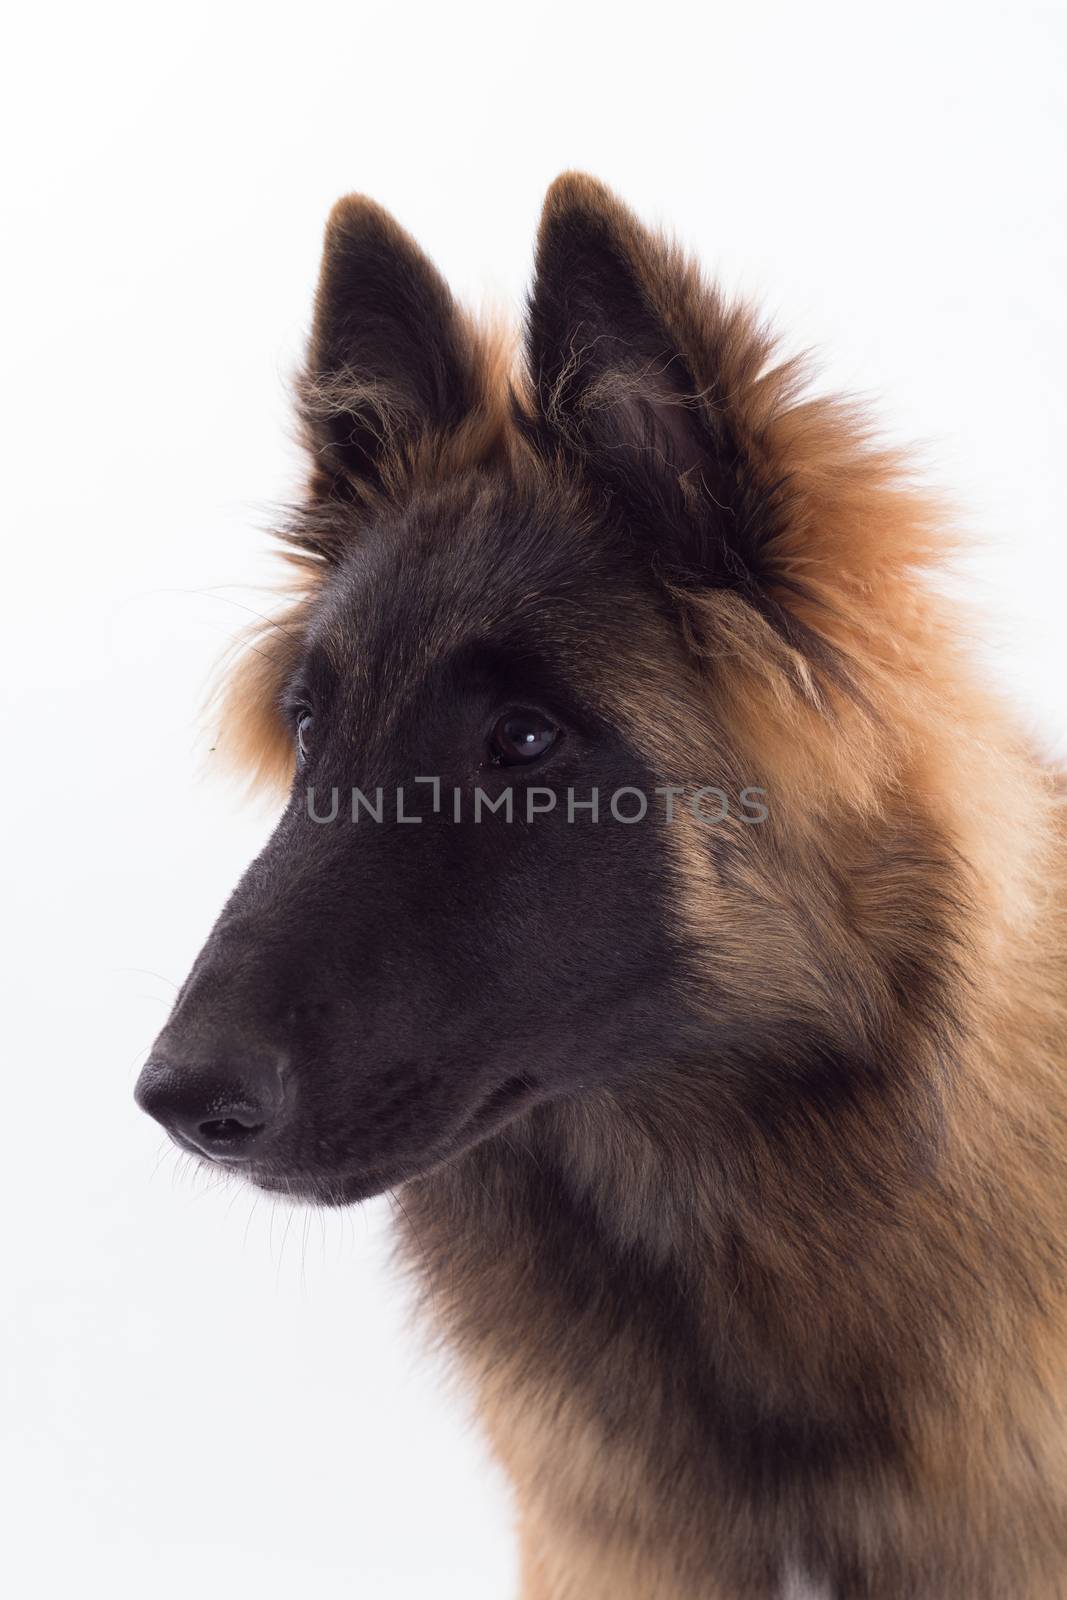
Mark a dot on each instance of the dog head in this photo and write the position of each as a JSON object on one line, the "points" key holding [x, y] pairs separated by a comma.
{"points": [[562, 631]]}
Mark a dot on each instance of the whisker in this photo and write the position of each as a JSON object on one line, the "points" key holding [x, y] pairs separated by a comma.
{"points": [[143, 1051], [147, 972], [165, 1149], [248, 1220], [285, 1236], [263, 616]]}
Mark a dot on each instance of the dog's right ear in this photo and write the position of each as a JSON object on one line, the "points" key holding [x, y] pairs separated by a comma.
{"points": [[650, 382], [390, 362]]}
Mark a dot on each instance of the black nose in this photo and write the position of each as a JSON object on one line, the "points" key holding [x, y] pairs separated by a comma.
{"points": [[226, 1114]]}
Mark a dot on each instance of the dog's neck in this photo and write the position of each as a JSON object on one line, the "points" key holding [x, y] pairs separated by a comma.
{"points": [[768, 1313]]}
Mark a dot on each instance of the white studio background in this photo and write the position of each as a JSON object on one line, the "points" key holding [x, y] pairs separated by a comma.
{"points": [[205, 1396]]}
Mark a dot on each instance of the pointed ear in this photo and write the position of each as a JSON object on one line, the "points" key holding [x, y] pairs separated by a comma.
{"points": [[390, 361], [635, 364]]}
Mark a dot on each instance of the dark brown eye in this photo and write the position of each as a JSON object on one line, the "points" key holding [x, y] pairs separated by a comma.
{"points": [[521, 736], [303, 737]]}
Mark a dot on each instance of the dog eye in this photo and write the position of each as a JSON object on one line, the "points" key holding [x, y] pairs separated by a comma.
{"points": [[303, 737], [520, 736]]}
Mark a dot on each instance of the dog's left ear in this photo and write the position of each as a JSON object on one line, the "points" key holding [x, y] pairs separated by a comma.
{"points": [[637, 368]]}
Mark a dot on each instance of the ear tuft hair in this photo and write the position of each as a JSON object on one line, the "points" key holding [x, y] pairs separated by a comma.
{"points": [[672, 400]]}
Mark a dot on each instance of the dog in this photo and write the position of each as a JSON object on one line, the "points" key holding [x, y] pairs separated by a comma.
{"points": [[664, 908]]}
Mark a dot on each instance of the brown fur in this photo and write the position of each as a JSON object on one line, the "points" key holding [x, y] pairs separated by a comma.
{"points": [[889, 1263]]}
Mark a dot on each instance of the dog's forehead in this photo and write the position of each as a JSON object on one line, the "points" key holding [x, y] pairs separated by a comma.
{"points": [[485, 566]]}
